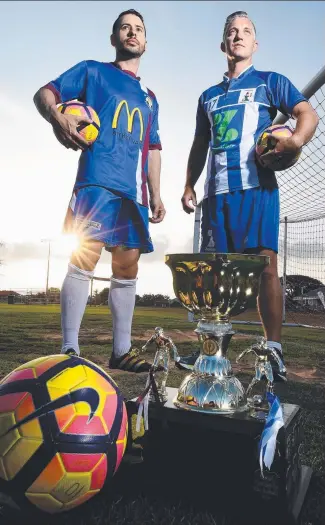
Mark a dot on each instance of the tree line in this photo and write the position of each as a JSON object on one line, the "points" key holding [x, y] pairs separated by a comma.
{"points": [[296, 285]]}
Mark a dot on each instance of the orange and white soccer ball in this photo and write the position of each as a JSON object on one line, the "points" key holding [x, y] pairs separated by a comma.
{"points": [[88, 131], [63, 432], [265, 144]]}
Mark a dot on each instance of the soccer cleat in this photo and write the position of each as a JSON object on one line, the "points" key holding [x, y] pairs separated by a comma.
{"points": [[70, 351], [131, 362], [278, 367], [187, 363]]}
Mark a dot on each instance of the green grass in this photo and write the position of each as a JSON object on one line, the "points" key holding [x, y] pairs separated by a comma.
{"points": [[27, 332]]}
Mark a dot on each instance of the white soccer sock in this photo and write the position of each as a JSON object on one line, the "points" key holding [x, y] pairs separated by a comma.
{"points": [[121, 302], [274, 344], [74, 296]]}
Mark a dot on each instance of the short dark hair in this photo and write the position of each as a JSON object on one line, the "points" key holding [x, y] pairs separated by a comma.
{"points": [[231, 18], [128, 12]]}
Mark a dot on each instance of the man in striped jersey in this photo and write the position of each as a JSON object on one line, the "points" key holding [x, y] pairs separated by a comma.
{"points": [[240, 211], [109, 204]]}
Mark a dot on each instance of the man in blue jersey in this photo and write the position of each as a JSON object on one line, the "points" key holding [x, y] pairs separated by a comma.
{"points": [[240, 211], [109, 203]]}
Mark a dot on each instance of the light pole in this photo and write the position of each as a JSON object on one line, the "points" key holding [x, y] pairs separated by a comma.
{"points": [[48, 266]]}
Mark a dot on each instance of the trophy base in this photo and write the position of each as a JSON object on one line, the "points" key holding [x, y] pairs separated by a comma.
{"points": [[188, 449], [258, 407], [211, 395], [163, 396]]}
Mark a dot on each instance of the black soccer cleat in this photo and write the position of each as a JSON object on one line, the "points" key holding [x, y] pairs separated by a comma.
{"points": [[278, 367], [70, 351], [131, 362], [187, 363]]}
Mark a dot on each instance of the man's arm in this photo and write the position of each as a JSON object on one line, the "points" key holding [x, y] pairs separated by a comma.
{"points": [[154, 167], [64, 126], [307, 121], [195, 165], [45, 103]]}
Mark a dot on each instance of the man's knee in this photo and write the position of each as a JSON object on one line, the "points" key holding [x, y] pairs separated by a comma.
{"points": [[87, 255], [271, 269], [125, 270], [125, 264]]}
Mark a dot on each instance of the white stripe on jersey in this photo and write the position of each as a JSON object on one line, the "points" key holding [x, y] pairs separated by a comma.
{"points": [[248, 167], [242, 104], [220, 162], [231, 91], [221, 176], [139, 178], [73, 201], [207, 179], [206, 185]]}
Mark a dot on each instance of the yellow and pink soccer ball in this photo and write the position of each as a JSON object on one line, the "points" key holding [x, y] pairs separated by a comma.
{"points": [[63, 433], [266, 143], [88, 131]]}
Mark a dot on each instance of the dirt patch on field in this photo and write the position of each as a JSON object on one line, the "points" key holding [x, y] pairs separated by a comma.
{"points": [[295, 373], [306, 375], [178, 336]]}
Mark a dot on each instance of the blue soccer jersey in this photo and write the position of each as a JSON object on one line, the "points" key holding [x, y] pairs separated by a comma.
{"points": [[128, 113], [232, 115]]}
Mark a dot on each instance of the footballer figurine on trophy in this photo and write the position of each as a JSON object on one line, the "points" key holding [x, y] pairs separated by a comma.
{"points": [[165, 346], [263, 370]]}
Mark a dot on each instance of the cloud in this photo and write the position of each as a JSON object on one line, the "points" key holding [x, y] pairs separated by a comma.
{"points": [[21, 251], [36, 175], [36, 251], [306, 250]]}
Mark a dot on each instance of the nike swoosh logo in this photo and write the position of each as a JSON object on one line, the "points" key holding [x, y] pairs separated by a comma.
{"points": [[88, 395]]}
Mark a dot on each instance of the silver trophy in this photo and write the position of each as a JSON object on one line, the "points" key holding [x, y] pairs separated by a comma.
{"points": [[258, 402], [165, 346], [214, 287]]}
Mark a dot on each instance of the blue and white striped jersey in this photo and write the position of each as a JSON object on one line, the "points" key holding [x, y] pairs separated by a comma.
{"points": [[232, 115]]}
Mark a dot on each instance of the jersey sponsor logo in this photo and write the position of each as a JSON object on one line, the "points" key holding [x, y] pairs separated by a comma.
{"points": [[130, 117], [223, 133], [247, 95], [149, 102], [85, 223], [212, 104]]}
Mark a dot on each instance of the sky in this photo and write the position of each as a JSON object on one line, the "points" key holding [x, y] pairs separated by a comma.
{"points": [[40, 40]]}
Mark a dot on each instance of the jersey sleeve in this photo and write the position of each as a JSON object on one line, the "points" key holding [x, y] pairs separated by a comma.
{"points": [[284, 95], [71, 84], [154, 136], [203, 128]]}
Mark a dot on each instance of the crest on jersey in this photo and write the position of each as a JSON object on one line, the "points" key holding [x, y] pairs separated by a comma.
{"points": [[211, 244], [246, 95], [149, 102]]}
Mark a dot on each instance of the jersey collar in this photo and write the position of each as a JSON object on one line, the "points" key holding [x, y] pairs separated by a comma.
{"points": [[243, 74], [125, 70]]}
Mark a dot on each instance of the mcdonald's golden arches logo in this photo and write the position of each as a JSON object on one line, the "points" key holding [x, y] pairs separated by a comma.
{"points": [[130, 116]]}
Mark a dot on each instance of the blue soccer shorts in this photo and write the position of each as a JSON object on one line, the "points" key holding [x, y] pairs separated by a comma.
{"points": [[241, 221], [101, 215]]}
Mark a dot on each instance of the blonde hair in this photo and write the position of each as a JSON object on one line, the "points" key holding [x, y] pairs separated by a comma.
{"points": [[231, 18]]}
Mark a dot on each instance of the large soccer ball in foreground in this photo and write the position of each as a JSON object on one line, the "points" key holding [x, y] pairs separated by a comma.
{"points": [[265, 143], [63, 431], [88, 131]]}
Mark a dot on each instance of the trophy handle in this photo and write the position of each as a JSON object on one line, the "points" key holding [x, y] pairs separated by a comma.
{"points": [[244, 352]]}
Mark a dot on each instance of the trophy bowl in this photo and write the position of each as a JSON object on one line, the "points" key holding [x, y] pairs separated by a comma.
{"points": [[214, 287]]}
